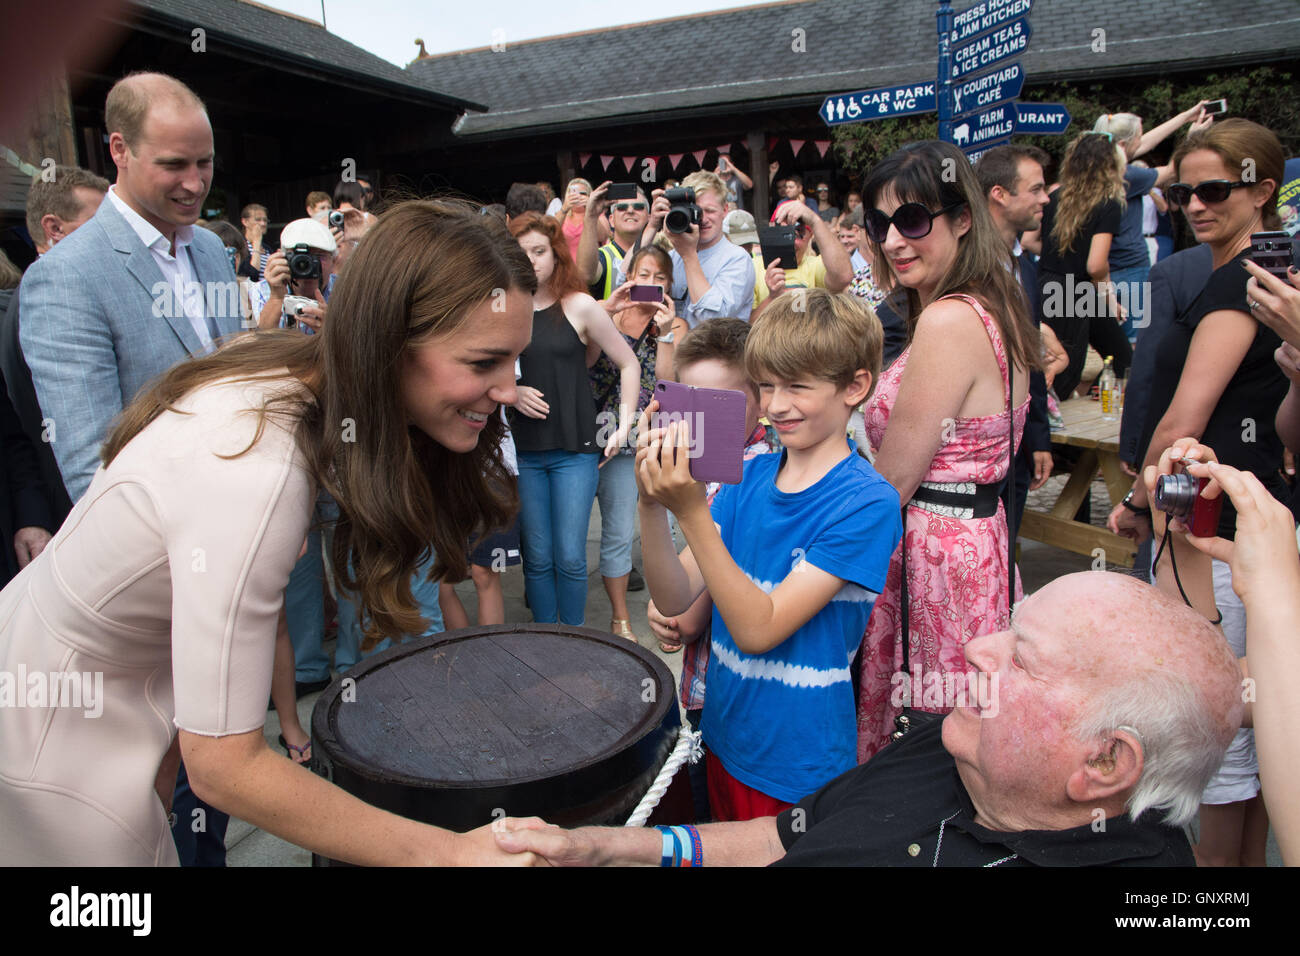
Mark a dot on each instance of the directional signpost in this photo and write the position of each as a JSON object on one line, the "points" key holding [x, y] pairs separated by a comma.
{"points": [[978, 85], [996, 46], [988, 89], [878, 104], [1045, 119]]}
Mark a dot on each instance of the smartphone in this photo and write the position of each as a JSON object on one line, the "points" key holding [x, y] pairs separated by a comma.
{"points": [[646, 293], [1274, 251], [715, 418], [777, 242], [620, 191], [1216, 107]]}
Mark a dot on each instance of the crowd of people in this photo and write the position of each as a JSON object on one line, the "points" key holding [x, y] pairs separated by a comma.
{"points": [[215, 444]]}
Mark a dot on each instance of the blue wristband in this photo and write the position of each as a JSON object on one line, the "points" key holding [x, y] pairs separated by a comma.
{"points": [[683, 838], [671, 852]]}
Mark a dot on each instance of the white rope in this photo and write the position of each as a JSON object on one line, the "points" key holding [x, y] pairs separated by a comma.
{"points": [[688, 748]]}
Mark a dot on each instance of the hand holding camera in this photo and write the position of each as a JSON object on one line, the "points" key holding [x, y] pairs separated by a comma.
{"points": [[1181, 493], [1263, 555], [277, 274], [1274, 288], [306, 313], [663, 464]]}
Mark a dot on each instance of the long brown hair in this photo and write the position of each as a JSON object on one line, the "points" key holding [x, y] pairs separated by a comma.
{"points": [[1092, 173], [565, 279], [417, 274], [938, 175]]}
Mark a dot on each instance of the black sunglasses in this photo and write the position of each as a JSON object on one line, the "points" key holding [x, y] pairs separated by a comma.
{"points": [[625, 206], [1212, 190], [912, 220]]}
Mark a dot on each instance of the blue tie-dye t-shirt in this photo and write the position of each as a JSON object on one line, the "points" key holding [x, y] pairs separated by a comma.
{"points": [[783, 722]]}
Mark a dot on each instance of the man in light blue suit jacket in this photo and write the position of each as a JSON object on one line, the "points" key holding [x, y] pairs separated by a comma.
{"points": [[131, 293], [99, 316]]}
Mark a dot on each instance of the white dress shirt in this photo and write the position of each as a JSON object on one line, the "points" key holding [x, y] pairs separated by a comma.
{"points": [[177, 270]]}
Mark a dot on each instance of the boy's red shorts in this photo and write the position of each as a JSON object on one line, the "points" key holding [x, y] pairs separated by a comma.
{"points": [[731, 800]]}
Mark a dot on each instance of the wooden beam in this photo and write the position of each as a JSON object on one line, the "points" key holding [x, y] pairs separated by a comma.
{"points": [[1077, 537], [757, 142]]}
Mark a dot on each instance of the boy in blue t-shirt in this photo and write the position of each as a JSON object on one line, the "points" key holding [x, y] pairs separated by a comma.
{"points": [[793, 557]]}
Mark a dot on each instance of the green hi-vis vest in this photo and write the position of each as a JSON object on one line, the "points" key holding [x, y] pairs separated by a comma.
{"points": [[612, 257]]}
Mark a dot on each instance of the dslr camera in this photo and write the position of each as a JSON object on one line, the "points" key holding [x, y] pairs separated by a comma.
{"points": [[303, 263], [683, 212], [1179, 496]]}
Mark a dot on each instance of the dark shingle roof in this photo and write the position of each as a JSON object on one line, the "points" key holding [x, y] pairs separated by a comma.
{"points": [[749, 54], [291, 40]]}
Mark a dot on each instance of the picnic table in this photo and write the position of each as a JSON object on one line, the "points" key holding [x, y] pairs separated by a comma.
{"points": [[1099, 440]]}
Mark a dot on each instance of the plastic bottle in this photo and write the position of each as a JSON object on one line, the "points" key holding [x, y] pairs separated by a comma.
{"points": [[1109, 388]]}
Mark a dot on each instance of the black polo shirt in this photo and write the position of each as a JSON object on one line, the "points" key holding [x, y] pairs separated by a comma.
{"points": [[907, 807]]}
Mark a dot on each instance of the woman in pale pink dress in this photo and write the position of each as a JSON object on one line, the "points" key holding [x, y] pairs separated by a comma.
{"points": [[940, 421], [166, 581]]}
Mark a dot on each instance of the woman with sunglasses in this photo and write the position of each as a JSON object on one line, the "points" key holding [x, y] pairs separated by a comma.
{"points": [[1215, 380], [942, 420], [1079, 224]]}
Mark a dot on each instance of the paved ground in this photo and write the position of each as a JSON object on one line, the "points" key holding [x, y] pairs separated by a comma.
{"points": [[1039, 564]]}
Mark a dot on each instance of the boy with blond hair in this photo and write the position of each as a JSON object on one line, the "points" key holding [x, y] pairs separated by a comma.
{"points": [[793, 557]]}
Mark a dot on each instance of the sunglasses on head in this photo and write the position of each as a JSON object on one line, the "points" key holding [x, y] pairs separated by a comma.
{"points": [[625, 206], [1212, 190], [912, 220], [800, 230]]}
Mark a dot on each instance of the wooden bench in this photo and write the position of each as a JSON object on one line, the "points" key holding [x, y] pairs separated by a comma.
{"points": [[1099, 441]]}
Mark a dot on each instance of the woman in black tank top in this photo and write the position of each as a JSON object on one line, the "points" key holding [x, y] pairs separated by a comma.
{"points": [[557, 432]]}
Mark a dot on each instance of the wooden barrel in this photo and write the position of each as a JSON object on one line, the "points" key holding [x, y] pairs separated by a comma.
{"points": [[568, 724]]}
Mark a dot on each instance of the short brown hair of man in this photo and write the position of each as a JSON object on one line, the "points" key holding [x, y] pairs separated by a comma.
{"points": [[720, 340], [814, 333], [1000, 166], [58, 197], [131, 98], [316, 197]]}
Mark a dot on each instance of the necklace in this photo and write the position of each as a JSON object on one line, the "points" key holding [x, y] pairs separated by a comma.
{"points": [[939, 845]]}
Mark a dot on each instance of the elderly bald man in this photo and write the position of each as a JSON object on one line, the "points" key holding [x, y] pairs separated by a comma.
{"points": [[1114, 706]]}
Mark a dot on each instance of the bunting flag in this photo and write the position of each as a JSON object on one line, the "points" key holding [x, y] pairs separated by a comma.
{"points": [[674, 159], [822, 145], [771, 143], [584, 159], [629, 162], [797, 144], [699, 155], [725, 149], [605, 161]]}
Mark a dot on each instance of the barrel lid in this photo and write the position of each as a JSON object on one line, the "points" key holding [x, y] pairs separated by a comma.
{"points": [[492, 706]]}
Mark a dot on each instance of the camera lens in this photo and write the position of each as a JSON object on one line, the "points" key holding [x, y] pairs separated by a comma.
{"points": [[1176, 494], [677, 220]]}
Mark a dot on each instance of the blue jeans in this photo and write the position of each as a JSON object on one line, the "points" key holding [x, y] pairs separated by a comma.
{"points": [[1132, 292], [304, 606], [348, 650], [556, 489], [200, 838], [616, 492]]}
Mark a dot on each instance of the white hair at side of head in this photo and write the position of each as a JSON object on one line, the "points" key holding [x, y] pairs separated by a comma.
{"points": [[1181, 743]]}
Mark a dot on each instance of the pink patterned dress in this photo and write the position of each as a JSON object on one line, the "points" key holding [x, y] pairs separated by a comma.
{"points": [[956, 567]]}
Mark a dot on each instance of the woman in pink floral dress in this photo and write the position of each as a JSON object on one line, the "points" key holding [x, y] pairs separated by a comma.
{"points": [[939, 422]]}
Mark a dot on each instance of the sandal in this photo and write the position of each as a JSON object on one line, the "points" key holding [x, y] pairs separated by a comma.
{"points": [[621, 628], [298, 754]]}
